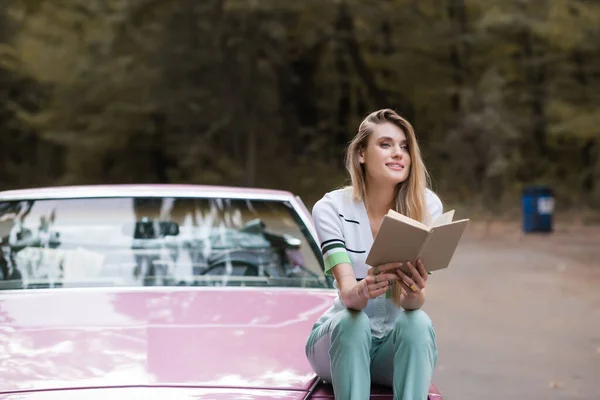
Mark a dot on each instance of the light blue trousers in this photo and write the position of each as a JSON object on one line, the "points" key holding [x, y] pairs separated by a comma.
{"points": [[342, 351]]}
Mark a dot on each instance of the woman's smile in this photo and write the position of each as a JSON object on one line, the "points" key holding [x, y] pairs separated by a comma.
{"points": [[396, 166]]}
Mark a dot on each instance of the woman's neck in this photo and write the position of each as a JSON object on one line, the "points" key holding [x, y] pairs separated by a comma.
{"points": [[380, 198]]}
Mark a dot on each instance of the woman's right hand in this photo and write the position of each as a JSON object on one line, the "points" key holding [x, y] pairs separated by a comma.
{"points": [[378, 280]]}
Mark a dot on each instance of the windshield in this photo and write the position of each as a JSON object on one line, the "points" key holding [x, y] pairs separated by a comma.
{"points": [[158, 241]]}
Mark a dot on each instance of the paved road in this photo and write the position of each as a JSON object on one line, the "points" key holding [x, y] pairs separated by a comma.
{"points": [[518, 317]]}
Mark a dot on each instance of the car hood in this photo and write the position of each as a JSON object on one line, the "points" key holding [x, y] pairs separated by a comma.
{"points": [[211, 338], [161, 393]]}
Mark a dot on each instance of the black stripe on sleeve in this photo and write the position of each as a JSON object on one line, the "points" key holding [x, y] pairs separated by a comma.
{"points": [[333, 246], [356, 251], [349, 220], [330, 241]]}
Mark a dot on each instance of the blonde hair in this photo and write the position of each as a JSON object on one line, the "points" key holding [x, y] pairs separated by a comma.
{"points": [[409, 196]]}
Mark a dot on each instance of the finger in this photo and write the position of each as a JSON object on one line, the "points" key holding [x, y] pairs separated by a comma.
{"points": [[405, 287], [410, 284], [390, 276], [411, 270], [378, 292], [365, 290], [384, 268], [381, 278], [415, 275], [379, 285], [422, 269]]}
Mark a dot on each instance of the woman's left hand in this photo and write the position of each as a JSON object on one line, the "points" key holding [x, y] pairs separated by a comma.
{"points": [[412, 279]]}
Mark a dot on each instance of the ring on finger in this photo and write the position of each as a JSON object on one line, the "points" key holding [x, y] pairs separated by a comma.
{"points": [[376, 270]]}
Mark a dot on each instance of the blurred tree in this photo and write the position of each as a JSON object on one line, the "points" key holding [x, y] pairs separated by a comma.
{"points": [[502, 93], [25, 159], [547, 86]]}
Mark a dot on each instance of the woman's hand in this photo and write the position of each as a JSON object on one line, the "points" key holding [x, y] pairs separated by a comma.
{"points": [[378, 280], [413, 281]]}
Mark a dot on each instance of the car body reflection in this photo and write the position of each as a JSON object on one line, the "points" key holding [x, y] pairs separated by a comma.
{"points": [[170, 291]]}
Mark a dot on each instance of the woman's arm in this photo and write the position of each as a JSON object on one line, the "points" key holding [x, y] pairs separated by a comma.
{"points": [[351, 293], [355, 295]]}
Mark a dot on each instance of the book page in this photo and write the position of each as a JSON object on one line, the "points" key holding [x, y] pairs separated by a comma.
{"points": [[407, 220], [443, 219], [441, 244], [396, 241]]}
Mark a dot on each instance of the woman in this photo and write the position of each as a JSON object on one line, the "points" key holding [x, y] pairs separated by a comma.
{"points": [[375, 330]]}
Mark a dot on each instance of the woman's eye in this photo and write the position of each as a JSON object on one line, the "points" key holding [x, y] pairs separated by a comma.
{"points": [[405, 148], [385, 145]]}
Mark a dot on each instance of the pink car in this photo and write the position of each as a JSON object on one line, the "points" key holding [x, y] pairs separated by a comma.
{"points": [[159, 291]]}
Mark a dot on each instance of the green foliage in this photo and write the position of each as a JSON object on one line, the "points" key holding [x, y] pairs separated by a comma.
{"points": [[502, 93]]}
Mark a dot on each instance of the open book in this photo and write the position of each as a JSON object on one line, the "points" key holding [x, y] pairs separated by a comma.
{"points": [[402, 239]]}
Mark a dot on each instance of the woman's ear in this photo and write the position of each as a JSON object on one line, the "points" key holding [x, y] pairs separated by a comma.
{"points": [[361, 157]]}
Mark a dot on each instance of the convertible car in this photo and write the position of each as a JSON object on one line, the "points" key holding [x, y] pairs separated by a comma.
{"points": [[159, 291]]}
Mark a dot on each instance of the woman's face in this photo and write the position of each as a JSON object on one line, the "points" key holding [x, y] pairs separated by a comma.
{"points": [[386, 157]]}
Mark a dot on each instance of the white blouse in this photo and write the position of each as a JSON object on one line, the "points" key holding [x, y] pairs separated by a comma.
{"points": [[344, 232]]}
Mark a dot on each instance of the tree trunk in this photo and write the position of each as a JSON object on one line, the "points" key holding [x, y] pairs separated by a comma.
{"points": [[588, 161], [159, 158], [403, 105], [343, 102], [345, 26], [251, 157], [535, 149], [459, 52], [587, 152]]}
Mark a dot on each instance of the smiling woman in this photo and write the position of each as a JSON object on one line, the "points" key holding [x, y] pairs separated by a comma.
{"points": [[375, 331]]}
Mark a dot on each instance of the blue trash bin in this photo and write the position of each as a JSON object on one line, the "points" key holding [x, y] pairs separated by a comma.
{"points": [[538, 209]]}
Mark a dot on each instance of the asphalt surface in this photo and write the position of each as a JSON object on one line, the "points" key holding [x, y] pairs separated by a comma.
{"points": [[518, 316]]}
